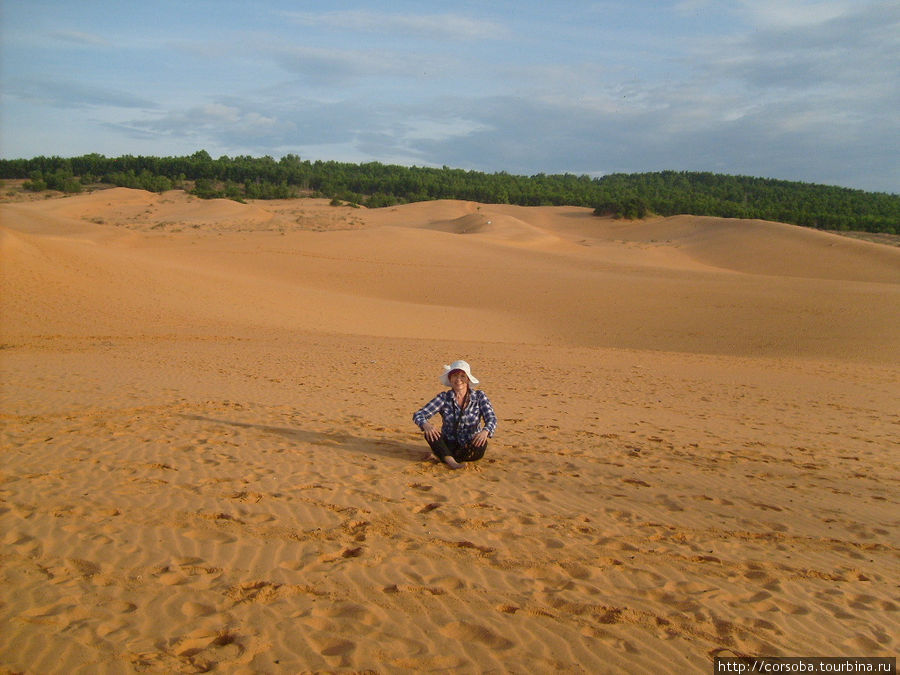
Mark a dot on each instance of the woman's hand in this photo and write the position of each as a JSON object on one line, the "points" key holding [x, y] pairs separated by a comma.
{"points": [[431, 432], [481, 438]]}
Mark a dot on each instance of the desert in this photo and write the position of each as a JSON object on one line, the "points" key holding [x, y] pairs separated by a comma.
{"points": [[209, 462]]}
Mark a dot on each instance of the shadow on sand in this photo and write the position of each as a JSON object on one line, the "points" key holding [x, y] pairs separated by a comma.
{"points": [[342, 441]]}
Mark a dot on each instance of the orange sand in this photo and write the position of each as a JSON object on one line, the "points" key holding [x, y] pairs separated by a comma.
{"points": [[208, 459]]}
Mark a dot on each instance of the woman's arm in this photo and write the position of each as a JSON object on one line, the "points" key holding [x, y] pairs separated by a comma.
{"points": [[487, 412], [429, 410]]}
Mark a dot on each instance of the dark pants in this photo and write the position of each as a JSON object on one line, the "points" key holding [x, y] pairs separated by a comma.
{"points": [[461, 453]]}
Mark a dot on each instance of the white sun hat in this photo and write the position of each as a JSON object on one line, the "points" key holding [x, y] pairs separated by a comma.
{"points": [[457, 365]]}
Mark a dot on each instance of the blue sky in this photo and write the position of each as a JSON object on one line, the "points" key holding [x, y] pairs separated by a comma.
{"points": [[795, 89]]}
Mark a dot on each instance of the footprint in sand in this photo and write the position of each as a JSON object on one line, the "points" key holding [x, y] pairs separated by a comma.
{"points": [[335, 650], [203, 652], [343, 554], [471, 632], [194, 609], [45, 614], [425, 508], [210, 536]]}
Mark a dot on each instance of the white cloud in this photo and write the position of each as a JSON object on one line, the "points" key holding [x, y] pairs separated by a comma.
{"points": [[215, 112], [81, 38], [68, 94], [442, 26], [782, 14], [852, 53], [332, 66], [437, 129], [688, 6], [223, 125]]}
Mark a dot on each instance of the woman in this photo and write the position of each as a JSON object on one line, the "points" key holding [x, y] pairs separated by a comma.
{"points": [[461, 437]]}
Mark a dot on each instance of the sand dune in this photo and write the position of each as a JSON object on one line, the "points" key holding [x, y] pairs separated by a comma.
{"points": [[774, 249], [506, 229], [209, 464], [655, 285], [124, 206]]}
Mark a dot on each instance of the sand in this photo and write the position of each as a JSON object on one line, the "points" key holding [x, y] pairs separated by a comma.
{"points": [[209, 463]]}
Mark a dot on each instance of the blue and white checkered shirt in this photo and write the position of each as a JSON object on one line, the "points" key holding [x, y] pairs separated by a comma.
{"points": [[459, 425]]}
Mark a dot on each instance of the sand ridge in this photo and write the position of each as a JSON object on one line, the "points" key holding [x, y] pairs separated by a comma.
{"points": [[209, 463]]}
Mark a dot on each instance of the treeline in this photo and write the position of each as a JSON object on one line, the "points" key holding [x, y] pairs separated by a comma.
{"points": [[375, 185]]}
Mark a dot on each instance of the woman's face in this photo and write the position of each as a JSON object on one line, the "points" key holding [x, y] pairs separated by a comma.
{"points": [[458, 380]]}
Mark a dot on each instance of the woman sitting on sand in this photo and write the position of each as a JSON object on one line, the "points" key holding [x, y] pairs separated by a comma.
{"points": [[460, 438]]}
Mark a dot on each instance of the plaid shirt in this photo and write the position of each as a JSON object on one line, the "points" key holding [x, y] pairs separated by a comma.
{"points": [[459, 425]]}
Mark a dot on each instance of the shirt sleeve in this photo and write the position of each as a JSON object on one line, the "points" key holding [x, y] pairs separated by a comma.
{"points": [[487, 412], [429, 410]]}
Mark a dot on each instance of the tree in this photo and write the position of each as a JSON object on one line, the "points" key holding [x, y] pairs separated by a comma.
{"points": [[624, 195]]}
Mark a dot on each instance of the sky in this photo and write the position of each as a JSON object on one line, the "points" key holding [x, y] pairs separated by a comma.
{"points": [[804, 90]]}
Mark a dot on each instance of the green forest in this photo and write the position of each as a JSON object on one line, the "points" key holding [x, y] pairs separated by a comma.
{"points": [[376, 185]]}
